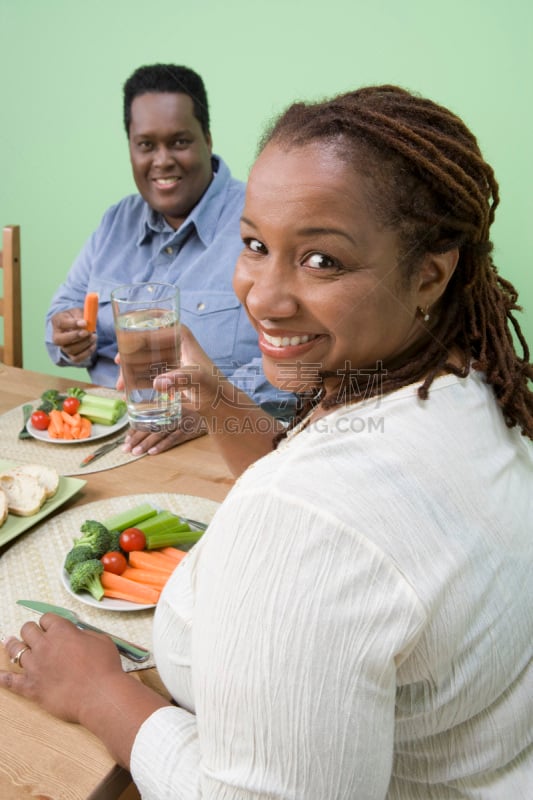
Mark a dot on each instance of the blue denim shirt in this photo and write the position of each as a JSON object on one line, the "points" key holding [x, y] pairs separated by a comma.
{"points": [[134, 243]]}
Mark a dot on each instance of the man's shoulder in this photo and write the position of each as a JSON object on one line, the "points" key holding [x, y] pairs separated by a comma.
{"points": [[126, 215], [225, 182], [132, 204]]}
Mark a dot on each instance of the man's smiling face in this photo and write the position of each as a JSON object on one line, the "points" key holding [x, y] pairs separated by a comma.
{"points": [[170, 154]]}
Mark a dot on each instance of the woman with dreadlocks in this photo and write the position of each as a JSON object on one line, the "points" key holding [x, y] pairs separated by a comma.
{"points": [[357, 621]]}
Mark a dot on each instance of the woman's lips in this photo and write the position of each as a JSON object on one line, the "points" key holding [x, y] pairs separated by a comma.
{"points": [[286, 345]]}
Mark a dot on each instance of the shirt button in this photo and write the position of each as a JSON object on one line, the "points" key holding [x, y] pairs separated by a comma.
{"points": [[200, 306], [169, 250]]}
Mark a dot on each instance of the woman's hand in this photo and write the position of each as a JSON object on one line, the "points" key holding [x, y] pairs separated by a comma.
{"points": [[77, 676], [64, 670], [194, 382], [198, 379]]}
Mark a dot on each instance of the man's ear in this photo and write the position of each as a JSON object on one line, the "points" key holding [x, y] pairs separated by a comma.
{"points": [[434, 276]]}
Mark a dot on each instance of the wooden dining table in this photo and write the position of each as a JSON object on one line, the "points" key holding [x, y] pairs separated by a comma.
{"points": [[43, 757]]}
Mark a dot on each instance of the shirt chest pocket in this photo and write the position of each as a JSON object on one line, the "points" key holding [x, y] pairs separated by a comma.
{"points": [[214, 319]]}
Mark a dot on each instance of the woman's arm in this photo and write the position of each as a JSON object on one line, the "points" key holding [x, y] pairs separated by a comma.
{"points": [[241, 429]]}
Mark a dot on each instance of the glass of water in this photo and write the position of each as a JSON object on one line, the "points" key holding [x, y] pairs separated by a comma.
{"points": [[147, 325]]}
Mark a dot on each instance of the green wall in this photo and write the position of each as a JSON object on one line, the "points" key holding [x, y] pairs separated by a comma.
{"points": [[63, 154]]}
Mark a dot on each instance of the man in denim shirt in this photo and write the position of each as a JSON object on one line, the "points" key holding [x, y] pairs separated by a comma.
{"points": [[182, 228]]}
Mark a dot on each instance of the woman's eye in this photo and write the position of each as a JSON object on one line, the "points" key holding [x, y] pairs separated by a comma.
{"points": [[144, 145], [320, 261], [181, 143], [255, 245]]}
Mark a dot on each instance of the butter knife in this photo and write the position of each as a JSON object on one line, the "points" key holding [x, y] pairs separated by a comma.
{"points": [[101, 451], [131, 651]]}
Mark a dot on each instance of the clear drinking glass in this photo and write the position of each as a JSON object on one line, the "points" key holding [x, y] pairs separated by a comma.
{"points": [[147, 325]]}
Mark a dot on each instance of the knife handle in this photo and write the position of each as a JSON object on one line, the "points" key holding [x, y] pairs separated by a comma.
{"points": [[128, 649]]}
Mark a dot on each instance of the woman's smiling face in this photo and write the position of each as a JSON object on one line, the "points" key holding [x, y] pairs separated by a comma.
{"points": [[319, 276]]}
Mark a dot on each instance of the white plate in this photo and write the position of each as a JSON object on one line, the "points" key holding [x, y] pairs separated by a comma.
{"points": [[199, 508], [97, 432], [106, 604]]}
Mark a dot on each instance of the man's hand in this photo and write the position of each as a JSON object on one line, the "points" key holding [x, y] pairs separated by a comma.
{"points": [[190, 427], [71, 335]]}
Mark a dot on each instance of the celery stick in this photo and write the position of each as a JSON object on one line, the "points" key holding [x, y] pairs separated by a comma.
{"points": [[162, 521], [101, 401], [102, 410], [130, 518], [173, 538]]}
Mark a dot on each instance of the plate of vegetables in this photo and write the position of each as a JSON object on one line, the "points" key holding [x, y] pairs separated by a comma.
{"points": [[75, 417], [123, 562]]}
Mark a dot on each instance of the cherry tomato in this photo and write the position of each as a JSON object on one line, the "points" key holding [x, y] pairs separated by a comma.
{"points": [[132, 539], [114, 562], [71, 405], [40, 420]]}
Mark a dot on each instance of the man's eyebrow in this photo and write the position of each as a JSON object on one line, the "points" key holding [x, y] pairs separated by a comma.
{"points": [[148, 132]]}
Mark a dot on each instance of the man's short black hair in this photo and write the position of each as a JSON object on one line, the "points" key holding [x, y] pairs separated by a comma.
{"points": [[167, 78]]}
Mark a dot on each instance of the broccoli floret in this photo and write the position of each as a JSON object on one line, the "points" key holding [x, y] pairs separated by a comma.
{"points": [[114, 542], [85, 577], [52, 397], [95, 536], [77, 555]]}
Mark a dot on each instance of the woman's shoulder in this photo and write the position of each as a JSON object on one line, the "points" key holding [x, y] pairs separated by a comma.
{"points": [[461, 409], [452, 452]]}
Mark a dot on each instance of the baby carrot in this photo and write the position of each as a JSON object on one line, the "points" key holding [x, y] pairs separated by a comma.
{"points": [[123, 589], [85, 428], [146, 577], [90, 310], [173, 553], [151, 560], [56, 424], [73, 420], [135, 596]]}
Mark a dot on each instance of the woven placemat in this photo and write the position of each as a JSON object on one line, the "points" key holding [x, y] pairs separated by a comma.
{"points": [[32, 568], [65, 458]]}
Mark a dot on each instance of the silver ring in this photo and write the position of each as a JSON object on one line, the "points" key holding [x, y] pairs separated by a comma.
{"points": [[16, 658]]}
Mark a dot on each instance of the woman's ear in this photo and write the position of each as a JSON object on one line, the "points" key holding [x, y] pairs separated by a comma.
{"points": [[434, 275]]}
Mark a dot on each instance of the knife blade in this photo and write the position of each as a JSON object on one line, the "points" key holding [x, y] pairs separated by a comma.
{"points": [[132, 651], [101, 451]]}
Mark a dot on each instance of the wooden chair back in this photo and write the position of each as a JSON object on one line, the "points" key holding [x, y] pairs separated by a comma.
{"points": [[11, 300]]}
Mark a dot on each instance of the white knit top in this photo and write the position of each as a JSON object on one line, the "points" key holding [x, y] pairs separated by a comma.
{"points": [[357, 623]]}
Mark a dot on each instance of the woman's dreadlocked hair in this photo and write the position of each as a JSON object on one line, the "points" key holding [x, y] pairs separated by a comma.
{"points": [[427, 180]]}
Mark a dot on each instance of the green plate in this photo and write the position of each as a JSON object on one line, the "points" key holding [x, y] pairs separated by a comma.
{"points": [[14, 526]]}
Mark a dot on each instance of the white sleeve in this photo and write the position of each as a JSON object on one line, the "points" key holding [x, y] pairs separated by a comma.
{"points": [[165, 758], [294, 686]]}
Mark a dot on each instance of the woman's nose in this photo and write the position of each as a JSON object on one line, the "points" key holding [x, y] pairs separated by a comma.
{"points": [[271, 295]]}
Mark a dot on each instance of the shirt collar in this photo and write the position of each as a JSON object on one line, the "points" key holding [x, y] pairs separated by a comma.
{"points": [[203, 217]]}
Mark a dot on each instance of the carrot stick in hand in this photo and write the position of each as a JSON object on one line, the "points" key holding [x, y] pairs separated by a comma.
{"points": [[90, 310]]}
